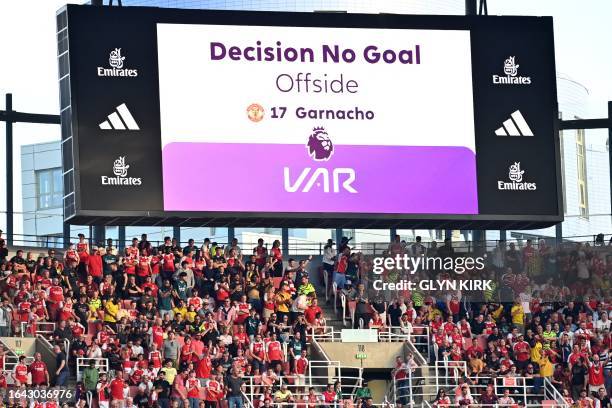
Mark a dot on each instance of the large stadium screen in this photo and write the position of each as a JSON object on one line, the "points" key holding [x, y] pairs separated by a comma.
{"points": [[201, 114]]}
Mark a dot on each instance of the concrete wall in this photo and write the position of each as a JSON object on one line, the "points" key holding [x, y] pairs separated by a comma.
{"points": [[21, 345], [379, 355]]}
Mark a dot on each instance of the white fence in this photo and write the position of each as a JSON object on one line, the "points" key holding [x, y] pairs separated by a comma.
{"points": [[100, 363]]}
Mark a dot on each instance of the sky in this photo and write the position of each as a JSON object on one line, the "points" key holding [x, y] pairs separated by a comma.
{"points": [[28, 67]]}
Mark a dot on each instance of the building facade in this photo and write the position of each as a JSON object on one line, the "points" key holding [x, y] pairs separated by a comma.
{"points": [[42, 192]]}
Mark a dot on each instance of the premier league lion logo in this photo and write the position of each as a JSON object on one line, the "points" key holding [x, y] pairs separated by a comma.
{"points": [[320, 146]]}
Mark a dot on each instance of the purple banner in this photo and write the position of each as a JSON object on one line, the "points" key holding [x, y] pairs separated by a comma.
{"points": [[284, 178]]}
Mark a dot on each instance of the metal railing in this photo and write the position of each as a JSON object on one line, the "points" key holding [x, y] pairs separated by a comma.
{"points": [[421, 385], [10, 361], [331, 334], [299, 386], [42, 328], [83, 362], [552, 393], [56, 241]]}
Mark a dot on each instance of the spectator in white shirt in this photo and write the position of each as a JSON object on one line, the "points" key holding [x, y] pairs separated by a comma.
{"points": [[603, 323]]}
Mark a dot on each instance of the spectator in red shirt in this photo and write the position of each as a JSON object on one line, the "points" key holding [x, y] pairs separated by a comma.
{"points": [[330, 396], [311, 312], [38, 371], [193, 390], [20, 372], [118, 388], [93, 265]]}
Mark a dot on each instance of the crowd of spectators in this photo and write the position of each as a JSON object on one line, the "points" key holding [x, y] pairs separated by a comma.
{"points": [[179, 326], [185, 326], [546, 316]]}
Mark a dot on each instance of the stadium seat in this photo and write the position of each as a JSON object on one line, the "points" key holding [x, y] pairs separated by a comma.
{"points": [[549, 404], [343, 306]]}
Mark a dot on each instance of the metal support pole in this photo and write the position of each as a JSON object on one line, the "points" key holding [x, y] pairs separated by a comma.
{"points": [[98, 235], [610, 148], [470, 7], [9, 171], [338, 236], [121, 238], [448, 234], [479, 241], [392, 234], [176, 233], [231, 234], [285, 241], [502, 235], [559, 232], [66, 235]]}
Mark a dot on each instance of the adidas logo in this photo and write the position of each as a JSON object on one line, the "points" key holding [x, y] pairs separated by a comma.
{"points": [[121, 119], [515, 126]]}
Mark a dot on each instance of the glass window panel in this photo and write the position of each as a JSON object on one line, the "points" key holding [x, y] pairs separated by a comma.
{"points": [[44, 182], [57, 181]]}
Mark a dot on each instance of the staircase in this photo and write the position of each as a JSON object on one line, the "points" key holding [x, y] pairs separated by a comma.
{"points": [[331, 318]]}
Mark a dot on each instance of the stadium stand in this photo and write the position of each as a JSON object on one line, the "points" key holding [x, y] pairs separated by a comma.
{"points": [[224, 326]]}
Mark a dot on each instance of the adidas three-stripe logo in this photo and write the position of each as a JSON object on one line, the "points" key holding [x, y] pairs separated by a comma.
{"points": [[121, 119], [514, 126]]}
